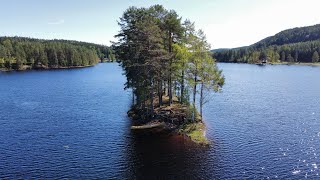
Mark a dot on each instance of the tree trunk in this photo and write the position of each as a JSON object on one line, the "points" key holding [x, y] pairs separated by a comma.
{"points": [[160, 92], [143, 102], [170, 69], [132, 97], [182, 88], [201, 99], [138, 100], [194, 97], [175, 88], [164, 92], [151, 96], [170, 89]]}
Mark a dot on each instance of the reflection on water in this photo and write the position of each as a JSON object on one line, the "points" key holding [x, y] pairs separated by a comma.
{"points": [[73, 124], [163, 156]]}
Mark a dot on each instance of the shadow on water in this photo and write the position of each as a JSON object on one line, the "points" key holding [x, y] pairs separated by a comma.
{"points": [[167, 156]]}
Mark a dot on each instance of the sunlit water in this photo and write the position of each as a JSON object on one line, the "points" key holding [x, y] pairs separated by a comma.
{"points": [[73, 124]]}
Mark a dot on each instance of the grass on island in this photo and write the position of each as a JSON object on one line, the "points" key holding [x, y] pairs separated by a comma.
{"points": [[195, 131]]}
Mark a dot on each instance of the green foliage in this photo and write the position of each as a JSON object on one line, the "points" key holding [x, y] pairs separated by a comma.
{"points": [[290, 58], [18, 52], [180, 67], [293, 45], [2, 62], [315, 57], [158, 53], [290, 36], [195, 131], [272, 56]]}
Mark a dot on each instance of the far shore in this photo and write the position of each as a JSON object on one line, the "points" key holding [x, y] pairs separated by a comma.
{"points": [[296, 63], [281, 63], [28, 68]]}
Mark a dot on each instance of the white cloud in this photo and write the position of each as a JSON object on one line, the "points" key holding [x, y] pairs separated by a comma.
{"points": [[61, 21]]}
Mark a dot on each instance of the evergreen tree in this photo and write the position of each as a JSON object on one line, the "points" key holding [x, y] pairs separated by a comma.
{"points": [[290, 58], [292, 45], [3, 54], [17, 52], [315, 57], [283, 56], [156, 54], [296, 56]]}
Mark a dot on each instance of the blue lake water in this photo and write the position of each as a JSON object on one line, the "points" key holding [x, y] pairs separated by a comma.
{"points": [[73, 124]]}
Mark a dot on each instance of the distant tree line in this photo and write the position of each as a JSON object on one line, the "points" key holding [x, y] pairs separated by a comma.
{"points": [[293, 45], [18, 53], [163, 56]]}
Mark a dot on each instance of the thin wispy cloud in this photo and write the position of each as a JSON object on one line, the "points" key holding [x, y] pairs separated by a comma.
{"points": [[61, 21]]}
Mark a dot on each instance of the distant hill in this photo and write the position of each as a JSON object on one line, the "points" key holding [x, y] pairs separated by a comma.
{"points": [[227, 49], [220, 50], [295, 35], [292, 45]]}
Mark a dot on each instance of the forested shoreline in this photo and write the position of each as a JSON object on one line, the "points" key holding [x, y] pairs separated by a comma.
{"points": [[165, 58], [20, 53], [298, 45]]}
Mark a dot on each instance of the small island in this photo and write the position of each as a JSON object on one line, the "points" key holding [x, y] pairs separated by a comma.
{"points": [[170, 70]]}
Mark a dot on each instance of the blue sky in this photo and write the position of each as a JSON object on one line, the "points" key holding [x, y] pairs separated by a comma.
{"points": [[227, 23]]}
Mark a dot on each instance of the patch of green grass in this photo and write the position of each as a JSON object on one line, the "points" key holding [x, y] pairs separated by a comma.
{"points": [[195, 131], [189, 114]]}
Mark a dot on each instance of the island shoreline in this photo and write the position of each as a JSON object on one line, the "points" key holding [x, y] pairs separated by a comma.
{"points": [[173, 119]]}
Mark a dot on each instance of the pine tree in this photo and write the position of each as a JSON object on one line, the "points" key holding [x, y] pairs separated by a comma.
{"points": [[283, 56], [156, 53], [290, 58], [296, 56], [315, 57], [17, 52]]}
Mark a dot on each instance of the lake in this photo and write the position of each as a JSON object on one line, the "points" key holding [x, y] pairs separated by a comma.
{"points": [[73, 124]]}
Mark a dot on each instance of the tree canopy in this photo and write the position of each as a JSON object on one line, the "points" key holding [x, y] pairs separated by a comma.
{"points": [[163, 56], [17, 52], [293, 45]]}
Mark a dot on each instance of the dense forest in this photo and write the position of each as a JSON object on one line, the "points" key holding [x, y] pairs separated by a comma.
{"points": [[19, 53], [293, 45], [165, 57]]}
